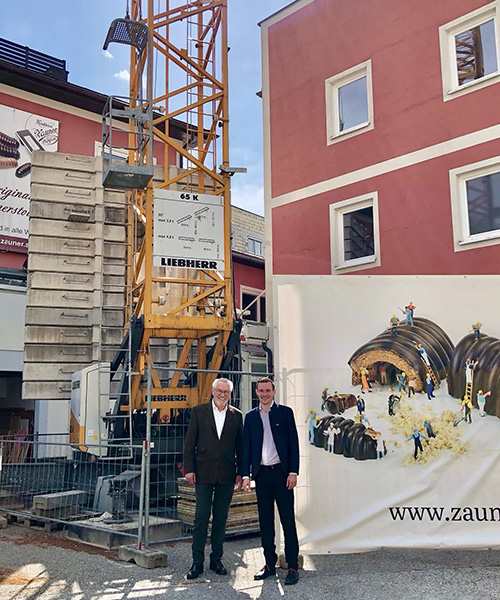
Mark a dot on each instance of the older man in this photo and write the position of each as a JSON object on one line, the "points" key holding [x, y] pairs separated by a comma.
{"points": [[212, 458]]}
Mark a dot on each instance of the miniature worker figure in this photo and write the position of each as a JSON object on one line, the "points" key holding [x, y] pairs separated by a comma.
{"points": [[470, 367], [392, 400], [423, 354], [382, 369], [360, 403], [411, 387], [412, 307], [467, 409], [416, 436], [364, 420], [324, 397], [430, 386], [311, 417], [331, 432], [394, 325], [364, 381], [409, 315], [428, 428], [476, 328], [380, 449], [481, 401], [401, 379]]}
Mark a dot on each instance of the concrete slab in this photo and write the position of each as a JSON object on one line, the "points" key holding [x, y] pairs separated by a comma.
{"points": [[3, 523], [109, 535], [147, 558]]}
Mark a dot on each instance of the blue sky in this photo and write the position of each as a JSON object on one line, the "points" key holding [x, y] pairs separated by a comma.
{"points": [[74, 30]]}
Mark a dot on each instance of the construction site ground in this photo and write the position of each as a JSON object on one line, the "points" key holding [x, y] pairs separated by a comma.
{"points": [[46, 566]]}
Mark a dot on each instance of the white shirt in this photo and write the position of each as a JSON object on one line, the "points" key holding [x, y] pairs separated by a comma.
{"points": [[220, 418], [269, 452]]}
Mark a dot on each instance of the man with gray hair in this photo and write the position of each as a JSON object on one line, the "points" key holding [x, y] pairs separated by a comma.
{"points": [[212, 463]]}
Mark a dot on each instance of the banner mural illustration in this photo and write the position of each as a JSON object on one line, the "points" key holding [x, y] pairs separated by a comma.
{"points": [[21, 133], [395, 384]]}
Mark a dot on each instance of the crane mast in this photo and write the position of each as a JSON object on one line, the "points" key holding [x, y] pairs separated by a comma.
{"points": [[184, 304]]}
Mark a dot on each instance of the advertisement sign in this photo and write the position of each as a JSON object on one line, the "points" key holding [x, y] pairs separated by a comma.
{"points": [[188, 230], [21, 133], [399, 430]]}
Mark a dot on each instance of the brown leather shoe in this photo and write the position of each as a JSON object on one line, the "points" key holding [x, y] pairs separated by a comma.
{"points": [[264, 573]]}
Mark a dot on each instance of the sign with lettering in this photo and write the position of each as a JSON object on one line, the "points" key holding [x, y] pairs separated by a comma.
{"points": [[188, 230], [21, 133]]}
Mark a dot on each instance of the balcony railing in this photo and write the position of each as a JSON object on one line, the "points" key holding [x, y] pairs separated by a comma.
{"points": [[26, 58]]}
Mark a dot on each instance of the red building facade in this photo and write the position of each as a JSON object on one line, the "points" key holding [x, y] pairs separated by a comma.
{"points": [[381, 113]]}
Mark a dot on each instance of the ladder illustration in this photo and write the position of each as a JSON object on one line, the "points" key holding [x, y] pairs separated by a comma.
{"points": [[429, 370], [467, 397]]}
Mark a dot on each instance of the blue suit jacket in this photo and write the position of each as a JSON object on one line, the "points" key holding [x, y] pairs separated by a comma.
{"points": [[285, 438]]}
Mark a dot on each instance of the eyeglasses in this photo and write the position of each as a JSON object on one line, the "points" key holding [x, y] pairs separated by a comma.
{"points": [[225, 392]]}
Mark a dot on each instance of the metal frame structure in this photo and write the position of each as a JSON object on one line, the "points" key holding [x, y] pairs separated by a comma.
{"points": [[192, 309]]}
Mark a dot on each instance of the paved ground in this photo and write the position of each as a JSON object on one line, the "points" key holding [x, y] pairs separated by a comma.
{"points": [[37, 565]]}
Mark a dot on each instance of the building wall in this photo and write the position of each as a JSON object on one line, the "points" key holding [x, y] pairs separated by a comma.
{"points": [[416, 139], [245, 224]]}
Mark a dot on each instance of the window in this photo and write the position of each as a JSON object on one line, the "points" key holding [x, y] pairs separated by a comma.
{"points": [[349, 103], [255, 246], [355, 233], [475, 203], [253, 310], [469, 51]]}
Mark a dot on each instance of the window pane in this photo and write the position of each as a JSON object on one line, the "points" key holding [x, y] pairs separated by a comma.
{"points": [[353, 104], [358, 234], [246, 299], [476, 52], [483, 203]]}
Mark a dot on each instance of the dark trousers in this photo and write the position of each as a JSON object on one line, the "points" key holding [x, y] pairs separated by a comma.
{"points": [[215, 499], [270, 486]]}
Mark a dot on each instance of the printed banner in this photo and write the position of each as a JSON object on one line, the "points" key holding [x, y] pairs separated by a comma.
{"points": [[21, 133], [395, 386]]}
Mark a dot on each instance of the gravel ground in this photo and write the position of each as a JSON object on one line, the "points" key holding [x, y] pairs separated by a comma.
{"points": [[43, 566]]}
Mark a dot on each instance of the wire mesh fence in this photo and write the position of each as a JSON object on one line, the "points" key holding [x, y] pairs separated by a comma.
{"points": [[116, 492]]}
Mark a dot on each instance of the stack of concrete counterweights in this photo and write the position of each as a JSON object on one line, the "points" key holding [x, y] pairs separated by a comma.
{"points": [[76, 270], [243, 515]]}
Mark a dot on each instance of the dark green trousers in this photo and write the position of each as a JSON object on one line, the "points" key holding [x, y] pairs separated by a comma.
{"points": [[215, 499]]}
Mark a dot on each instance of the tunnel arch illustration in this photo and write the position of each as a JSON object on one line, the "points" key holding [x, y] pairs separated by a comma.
{"points": [[400, 353]]}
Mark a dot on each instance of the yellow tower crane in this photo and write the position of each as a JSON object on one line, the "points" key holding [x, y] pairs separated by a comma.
{"points": [[179, 250]]}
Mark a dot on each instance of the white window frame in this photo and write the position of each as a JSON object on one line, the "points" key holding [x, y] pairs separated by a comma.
{"points": [[254, 239], [460, 216], [337, 211], [244, 289], [332, 86], [447, 34]]}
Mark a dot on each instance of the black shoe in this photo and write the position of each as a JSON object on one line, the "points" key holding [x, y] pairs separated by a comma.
{"points": [[195, 571], [264, 573], [291, 577], [218, 567]]}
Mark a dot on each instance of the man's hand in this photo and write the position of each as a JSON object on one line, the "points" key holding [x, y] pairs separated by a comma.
{"points": [[291, 481], [246, 484], [237, 483], [191, 477]]}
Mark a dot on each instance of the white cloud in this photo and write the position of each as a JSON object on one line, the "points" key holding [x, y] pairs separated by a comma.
{"points": [[249, 196], [123, 75], [107, 54]]}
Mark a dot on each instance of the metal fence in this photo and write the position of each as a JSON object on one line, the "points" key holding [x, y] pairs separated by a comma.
{"points": [[116, 493]]}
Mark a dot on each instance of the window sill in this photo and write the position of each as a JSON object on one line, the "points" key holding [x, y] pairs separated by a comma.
{"points": [[352, 131], [358, 263], [480, 238], [473, 85]]}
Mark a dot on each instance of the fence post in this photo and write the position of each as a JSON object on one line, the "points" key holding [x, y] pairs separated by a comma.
{"points": [[140, 528], [148, 456]]}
